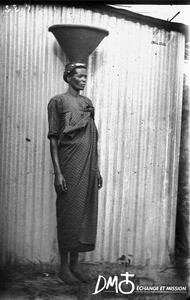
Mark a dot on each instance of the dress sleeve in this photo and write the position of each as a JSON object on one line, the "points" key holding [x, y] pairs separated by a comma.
{"points": [[88, 101], [53, 119]]}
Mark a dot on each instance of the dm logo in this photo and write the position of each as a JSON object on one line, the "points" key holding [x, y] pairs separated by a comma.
{"points": [[120, 286]]}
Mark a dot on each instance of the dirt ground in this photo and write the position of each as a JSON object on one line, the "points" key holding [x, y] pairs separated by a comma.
{"points": [[40, 282]]}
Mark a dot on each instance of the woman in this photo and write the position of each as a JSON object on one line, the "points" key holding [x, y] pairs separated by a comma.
{"points": [[73, 145]]}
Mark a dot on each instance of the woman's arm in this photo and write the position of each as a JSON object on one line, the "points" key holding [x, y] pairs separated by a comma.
{"points": [[59, 182], [100, 180]]}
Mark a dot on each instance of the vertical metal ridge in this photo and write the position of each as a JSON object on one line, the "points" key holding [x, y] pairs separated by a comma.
{"points": [[4, 170]]}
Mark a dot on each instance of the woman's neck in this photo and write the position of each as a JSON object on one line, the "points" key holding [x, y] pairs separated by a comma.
{"points": [[73, 92]]}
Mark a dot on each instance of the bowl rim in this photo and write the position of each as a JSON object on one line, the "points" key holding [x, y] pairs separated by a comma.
{"points": [[79, 26]]}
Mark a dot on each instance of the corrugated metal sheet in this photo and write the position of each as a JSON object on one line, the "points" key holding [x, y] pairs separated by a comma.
{"points": [[135, 82]]}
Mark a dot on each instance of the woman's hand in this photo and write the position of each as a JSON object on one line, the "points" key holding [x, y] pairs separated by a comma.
{"points": [[100, 180], [60, 183]]}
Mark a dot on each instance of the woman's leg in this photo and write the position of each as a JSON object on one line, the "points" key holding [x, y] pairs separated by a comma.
{"points": [[65, 272], [76, 269], [74, 265]]}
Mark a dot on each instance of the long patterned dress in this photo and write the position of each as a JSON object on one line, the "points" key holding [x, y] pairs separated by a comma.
{"points": [[71, 120]]}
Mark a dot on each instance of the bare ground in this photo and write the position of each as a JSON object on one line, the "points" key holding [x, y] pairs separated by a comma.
{"points": [[40, 282]]}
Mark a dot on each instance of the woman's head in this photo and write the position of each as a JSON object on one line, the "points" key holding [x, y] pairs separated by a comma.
{"points": [[75, 75], [70, 69]]}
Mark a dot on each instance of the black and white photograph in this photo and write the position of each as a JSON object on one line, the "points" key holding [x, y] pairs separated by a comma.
{"points": [[94, 150]]}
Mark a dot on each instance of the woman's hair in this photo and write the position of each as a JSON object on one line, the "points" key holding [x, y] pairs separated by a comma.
{"points": [[70, 69]]}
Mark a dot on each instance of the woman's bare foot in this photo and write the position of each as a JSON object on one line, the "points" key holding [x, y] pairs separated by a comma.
{"points": [[76, 269], [67, 276], [79, 273]]}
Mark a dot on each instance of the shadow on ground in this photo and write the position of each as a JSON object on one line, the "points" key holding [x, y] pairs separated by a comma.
{"points": [[40, 282]]}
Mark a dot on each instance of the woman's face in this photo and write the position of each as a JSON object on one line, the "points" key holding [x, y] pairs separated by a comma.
{"points": [[78, 80]]}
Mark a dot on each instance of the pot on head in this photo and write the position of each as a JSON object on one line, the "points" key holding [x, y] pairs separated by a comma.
{"points": [[78, 41]]}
